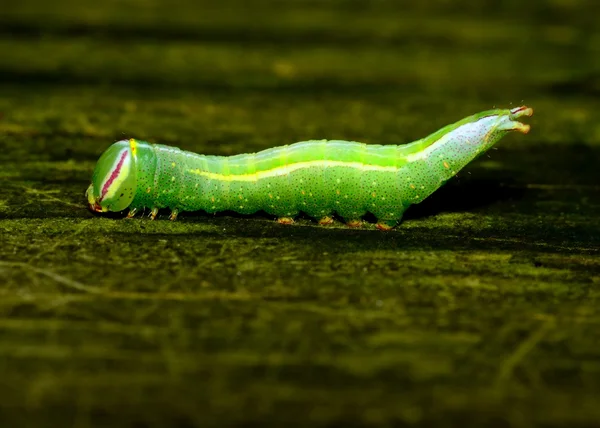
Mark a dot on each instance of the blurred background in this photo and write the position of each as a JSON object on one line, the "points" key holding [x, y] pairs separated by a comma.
{"points": [[480, 309]]}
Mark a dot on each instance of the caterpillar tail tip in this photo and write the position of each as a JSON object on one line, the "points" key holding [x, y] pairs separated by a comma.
{"points": [[516, 113], [524, 128], [521, 111]]}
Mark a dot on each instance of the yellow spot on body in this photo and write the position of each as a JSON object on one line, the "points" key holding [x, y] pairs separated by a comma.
{"points": [[337, 191], [148, 190], [374, 194], [303, 192], [270, 196], [412, 186], [173, 164], [133, 147], [241, 197], [212, 200], [446, 165]]}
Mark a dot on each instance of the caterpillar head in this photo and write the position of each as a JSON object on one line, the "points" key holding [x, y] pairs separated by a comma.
{"points": [[114, 180]]}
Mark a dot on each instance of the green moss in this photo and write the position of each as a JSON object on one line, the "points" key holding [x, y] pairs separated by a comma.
{"points": [[480, 309]]}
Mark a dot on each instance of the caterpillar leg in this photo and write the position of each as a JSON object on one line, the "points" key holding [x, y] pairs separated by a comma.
{"points": [[354, 223], [131, 213], [153, 213], [324, 221], [173, 215], [285, 220], [386, 225]]}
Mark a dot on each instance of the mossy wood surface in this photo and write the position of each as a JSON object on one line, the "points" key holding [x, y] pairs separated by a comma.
{"points": [[481, 308]]}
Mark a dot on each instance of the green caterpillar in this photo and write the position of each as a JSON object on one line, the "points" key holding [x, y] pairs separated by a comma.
{"points": [[318, 178]]}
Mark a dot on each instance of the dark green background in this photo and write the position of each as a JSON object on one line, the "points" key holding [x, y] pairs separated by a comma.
{"points": [[481, 308]]}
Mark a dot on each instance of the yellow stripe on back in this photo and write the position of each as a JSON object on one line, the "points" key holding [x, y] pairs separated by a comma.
{"points": [[286, 169]]}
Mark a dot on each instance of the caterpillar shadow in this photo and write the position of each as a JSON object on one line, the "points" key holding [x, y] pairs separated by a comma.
{"points": [[466, 195]]}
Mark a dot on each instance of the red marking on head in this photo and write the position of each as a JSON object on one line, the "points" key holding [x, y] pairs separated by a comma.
{"points": [[113, 176]]}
